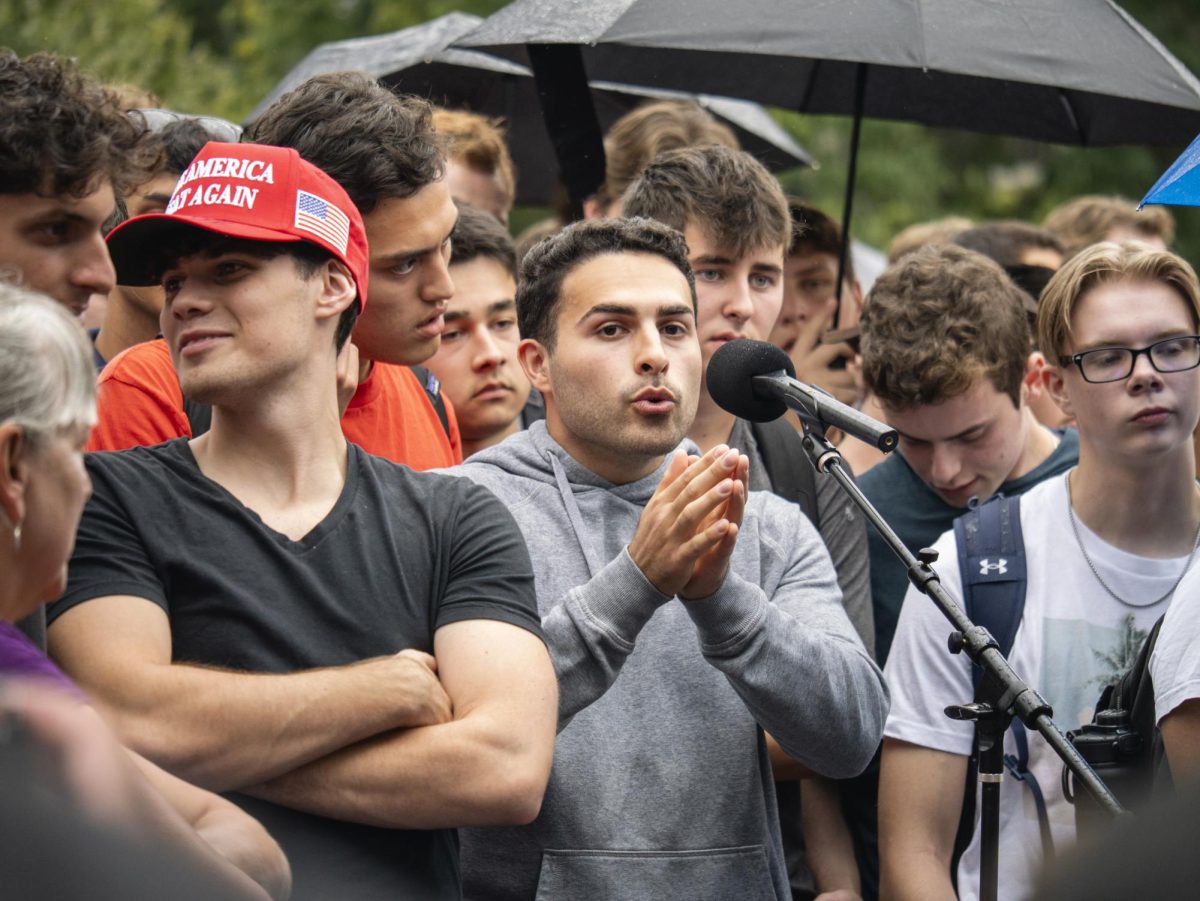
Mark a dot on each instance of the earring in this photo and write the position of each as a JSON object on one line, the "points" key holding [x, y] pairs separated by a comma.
{"points": [[17, 538]]}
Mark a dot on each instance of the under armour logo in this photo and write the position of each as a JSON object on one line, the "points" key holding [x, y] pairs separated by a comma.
{"points": [[986, 566]]}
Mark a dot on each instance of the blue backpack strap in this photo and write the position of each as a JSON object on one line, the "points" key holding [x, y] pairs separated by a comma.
{"points": [[1018, 768], [991, 561]]}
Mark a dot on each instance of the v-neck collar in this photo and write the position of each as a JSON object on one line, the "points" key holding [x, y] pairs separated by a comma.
{"points": [[326, 526]]}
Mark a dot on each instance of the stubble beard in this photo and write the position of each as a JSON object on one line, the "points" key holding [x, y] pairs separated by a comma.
{"points": [[612, 424]]}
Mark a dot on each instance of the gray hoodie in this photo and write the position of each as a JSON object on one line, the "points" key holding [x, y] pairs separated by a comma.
{"points": [[661, 786]]}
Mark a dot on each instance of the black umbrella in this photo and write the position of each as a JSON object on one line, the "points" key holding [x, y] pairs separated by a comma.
{"points": [[416, 60], [1067, 71]]}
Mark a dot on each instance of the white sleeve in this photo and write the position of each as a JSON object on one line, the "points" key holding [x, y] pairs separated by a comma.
{"points": [[923, 676], [1175, 662]]}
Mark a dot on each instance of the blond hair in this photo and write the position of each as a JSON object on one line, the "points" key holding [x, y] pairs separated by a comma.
{"points": [[1102, 264], [1087, 220]]}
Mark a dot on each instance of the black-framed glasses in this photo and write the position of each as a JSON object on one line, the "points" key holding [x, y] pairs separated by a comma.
{"points": [[217, 128], [1111, 364]]}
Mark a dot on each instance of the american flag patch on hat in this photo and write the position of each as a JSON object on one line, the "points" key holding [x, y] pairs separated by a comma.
{"points": [[322, 218]]}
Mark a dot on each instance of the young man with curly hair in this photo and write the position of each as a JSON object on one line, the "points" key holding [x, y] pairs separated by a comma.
{"points": [[67, 152], [945, 340]]}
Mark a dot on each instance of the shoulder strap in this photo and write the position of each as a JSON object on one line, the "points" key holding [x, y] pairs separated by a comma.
{"points": [[790, 471], [1134, 692], [199, 416], [991, 563], [433, 388]]}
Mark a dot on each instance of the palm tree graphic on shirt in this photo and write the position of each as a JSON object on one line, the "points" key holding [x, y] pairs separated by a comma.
{"points": [[1118, 660]]}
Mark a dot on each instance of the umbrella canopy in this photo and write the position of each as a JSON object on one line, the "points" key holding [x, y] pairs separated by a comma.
{"points": [[1180, 184], [1067, 71], [416, 60]]}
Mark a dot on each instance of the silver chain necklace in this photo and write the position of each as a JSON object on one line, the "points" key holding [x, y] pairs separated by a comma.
{"points": [[1095, 572]]}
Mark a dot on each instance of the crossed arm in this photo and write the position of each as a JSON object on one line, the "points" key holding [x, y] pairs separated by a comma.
{"points": [[374, 742], [489, 765]]}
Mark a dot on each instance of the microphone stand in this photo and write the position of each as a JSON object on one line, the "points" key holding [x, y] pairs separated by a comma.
{"points": [[1006, 695]]}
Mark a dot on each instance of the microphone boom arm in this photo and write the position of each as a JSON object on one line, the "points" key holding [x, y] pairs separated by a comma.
{"points": [[1006, 694], [824, 410]]}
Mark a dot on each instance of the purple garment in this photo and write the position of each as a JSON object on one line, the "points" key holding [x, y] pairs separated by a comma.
{"points": [[21, 657]]}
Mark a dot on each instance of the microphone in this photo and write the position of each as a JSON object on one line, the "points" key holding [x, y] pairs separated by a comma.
{"points": [[755, 380]]}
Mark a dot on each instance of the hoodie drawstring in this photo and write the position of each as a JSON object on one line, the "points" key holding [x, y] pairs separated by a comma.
{"points": [[568, 497]]}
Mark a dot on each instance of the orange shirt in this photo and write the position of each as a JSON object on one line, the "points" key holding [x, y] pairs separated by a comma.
{"points": [[140, 403]]}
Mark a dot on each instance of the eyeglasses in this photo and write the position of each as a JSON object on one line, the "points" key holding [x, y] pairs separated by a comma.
{"points": [[218, 129], [1111, 364]]}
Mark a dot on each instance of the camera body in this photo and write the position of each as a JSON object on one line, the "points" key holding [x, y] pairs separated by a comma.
{"points": [[1115, 750]]}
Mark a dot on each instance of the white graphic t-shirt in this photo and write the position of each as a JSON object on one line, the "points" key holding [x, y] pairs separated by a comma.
{"points": [[1073, 639]]}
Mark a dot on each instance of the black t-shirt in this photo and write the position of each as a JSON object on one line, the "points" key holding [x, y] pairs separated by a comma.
{"points": [[400, 555]]}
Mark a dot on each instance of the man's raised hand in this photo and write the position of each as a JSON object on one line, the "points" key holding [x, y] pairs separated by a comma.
{"points": [[688, 517], [713, 564], [814, 360]]}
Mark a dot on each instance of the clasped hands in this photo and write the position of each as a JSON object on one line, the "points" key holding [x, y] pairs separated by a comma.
{"points": [[688, 529]]}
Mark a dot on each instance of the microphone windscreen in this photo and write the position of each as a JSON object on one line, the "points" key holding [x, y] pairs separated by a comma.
{"points": [[730, 376]]}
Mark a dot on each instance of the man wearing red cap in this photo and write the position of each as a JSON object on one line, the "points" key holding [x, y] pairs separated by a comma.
{"points": [[381, 149], [269, 611]]}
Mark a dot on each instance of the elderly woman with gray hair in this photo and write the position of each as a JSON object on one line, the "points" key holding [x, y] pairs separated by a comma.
{"points": [[47, 406]]}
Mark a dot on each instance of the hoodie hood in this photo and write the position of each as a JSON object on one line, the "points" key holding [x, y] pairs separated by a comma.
{"points": [[533, 454]]}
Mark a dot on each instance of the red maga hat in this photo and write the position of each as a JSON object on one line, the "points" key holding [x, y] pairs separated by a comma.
{"points": [[251, 191]]}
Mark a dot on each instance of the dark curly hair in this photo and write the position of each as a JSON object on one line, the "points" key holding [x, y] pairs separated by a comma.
{"points": [[62, 133], [548, 263], [375, 144]]}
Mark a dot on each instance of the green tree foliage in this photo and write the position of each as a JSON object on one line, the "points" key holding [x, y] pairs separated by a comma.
{"points": [[139, 42], [909, 173]]}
